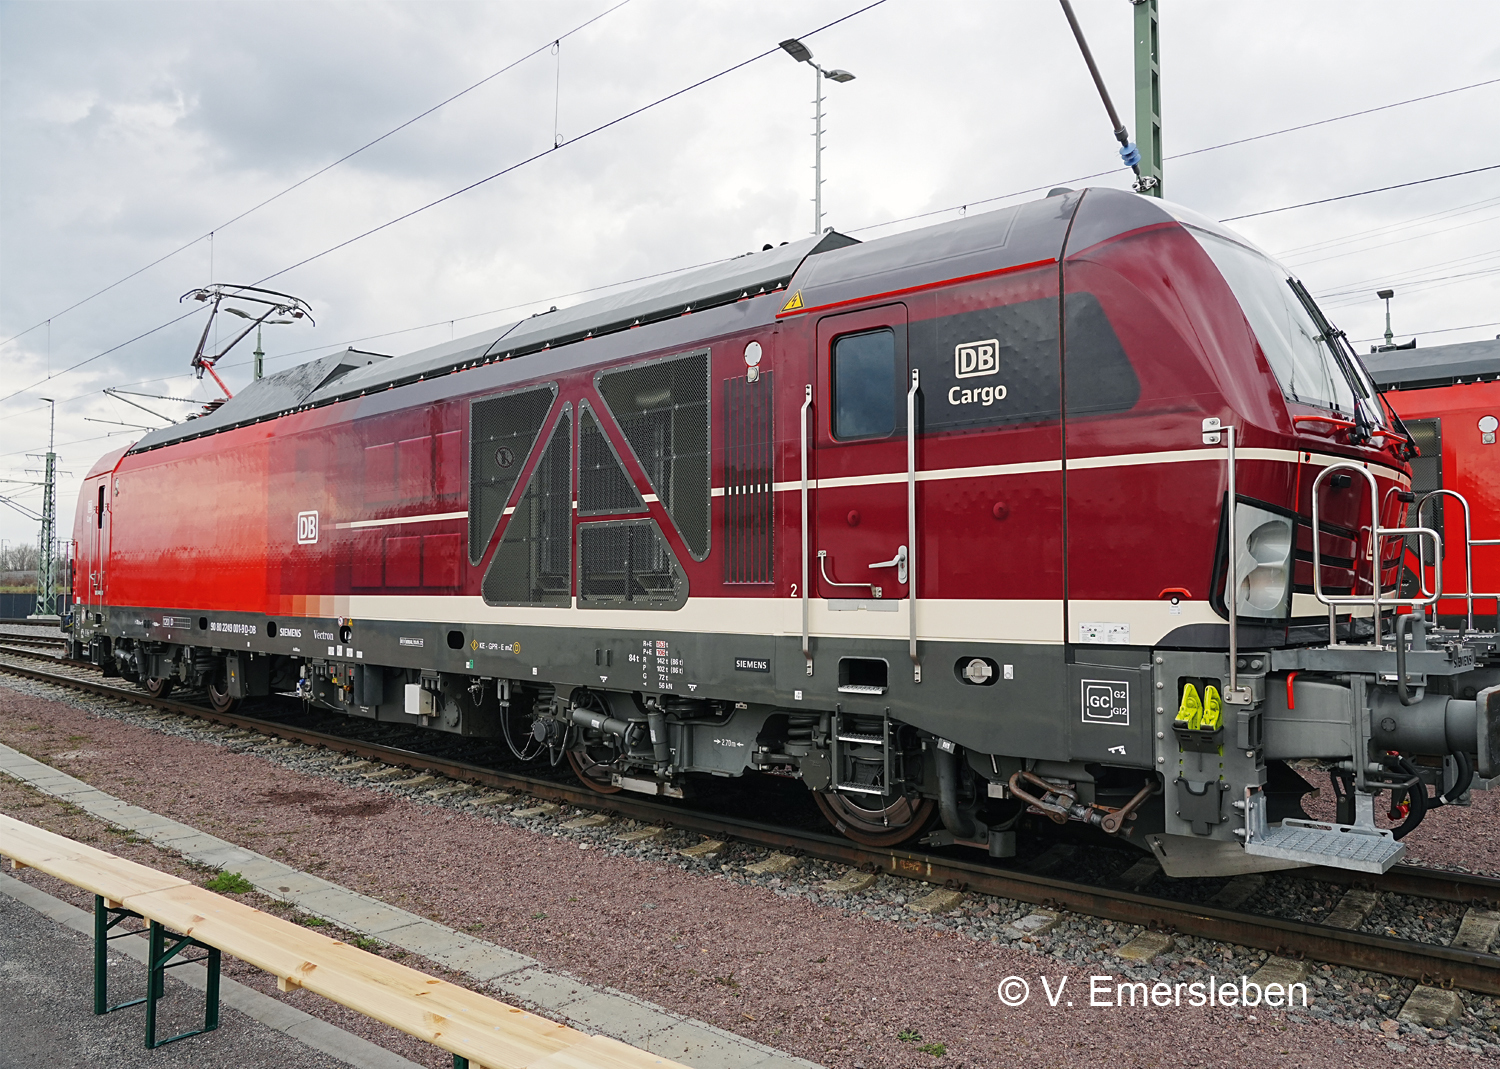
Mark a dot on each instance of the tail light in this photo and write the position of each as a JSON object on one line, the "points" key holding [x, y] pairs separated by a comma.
{"points": [[1263, 560]]}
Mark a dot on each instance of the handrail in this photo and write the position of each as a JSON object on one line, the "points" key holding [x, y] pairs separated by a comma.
{"points": [[1213, 429], [911, 521], [1233, 695], [465, 1023], [1469, 593], [807, 400], [1377, 560]]}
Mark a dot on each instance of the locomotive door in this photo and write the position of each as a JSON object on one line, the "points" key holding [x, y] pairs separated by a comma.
{"points": [[96, 545], [859, 550]]}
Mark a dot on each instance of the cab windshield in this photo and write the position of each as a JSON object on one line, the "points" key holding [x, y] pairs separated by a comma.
{"points": [[1313, 365]]}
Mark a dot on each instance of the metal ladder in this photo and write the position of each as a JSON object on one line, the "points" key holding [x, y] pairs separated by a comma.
{"points": [[841, 734]]}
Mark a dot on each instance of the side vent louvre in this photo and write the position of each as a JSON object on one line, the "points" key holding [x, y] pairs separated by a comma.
{"points": [[748, 477], [533, 563], [662, 408], [502, 431]]}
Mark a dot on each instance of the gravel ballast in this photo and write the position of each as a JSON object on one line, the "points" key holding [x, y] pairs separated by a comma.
{"points": [[845, 979]]}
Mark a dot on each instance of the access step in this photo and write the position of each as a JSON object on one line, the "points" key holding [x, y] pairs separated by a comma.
{"points": [[1361, 848]]}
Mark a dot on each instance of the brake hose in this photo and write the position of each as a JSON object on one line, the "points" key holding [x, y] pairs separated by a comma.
{"points": [[1418, 796]]}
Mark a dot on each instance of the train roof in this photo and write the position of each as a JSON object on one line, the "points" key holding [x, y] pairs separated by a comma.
{"points": [[826, 269], [1441, 365]]}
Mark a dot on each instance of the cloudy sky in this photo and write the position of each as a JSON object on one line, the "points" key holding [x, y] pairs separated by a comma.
{"points": [[130, 130]]}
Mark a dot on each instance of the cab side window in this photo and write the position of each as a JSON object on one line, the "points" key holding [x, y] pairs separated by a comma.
{"points": [[864, 385]]}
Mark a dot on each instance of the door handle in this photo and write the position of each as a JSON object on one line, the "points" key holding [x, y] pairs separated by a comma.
{"points": [[898, 562]]}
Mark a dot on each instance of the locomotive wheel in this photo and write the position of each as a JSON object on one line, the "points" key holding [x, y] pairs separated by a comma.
{"points": [[592, 774], [219, 699], [891, 825], [157, 688]]}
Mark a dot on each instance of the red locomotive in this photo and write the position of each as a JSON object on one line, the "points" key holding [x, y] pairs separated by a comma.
{"points": [[938, 523], [1449, 398]]}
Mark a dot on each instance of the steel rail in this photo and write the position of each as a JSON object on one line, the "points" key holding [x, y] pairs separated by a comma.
{"points": [[1425, 962]]}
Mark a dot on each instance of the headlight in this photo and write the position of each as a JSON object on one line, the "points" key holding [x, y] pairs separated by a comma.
{"points": [[1263, 562]]}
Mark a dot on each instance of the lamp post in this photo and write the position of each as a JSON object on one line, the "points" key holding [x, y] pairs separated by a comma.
{"points": [[802, 54], [1386, 295]]}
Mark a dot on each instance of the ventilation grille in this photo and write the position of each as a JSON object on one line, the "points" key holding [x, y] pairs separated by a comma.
{"points": [[627, 562], [603, 486], [748, 477], [533, 562], [502, 431], [662, 407]]}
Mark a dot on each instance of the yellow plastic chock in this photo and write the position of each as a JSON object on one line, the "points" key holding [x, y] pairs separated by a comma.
{"points": [[1213, 709], [1190, 715]]}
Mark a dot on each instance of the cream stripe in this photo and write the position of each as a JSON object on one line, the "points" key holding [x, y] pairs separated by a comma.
{"points": [[1121, 460], [431, 517]]}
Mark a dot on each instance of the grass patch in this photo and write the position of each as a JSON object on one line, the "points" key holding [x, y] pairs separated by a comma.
{"points": [[229, 883], [909, 1035], [364, 942], [312, 922], [937, 1050]]}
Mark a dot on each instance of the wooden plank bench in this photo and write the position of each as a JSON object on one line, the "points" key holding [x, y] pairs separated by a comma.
{"points": [[479, 1031]]}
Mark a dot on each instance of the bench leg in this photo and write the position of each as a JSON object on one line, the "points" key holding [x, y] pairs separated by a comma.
{"points": [[105, 918], [159, 961]]}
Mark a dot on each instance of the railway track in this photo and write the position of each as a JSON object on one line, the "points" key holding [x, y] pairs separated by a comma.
{"points": [[1428, 963]]}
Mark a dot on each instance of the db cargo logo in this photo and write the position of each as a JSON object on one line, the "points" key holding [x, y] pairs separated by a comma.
{"points": [[307, 528], [971, 359]]}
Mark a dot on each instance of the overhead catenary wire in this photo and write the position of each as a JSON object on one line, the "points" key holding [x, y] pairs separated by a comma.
{"points": [[1362, 193], [1177, 155], [1424, 333], [1467, 224], [776, 50], [323, 170], [1404, 224], [475, 185], [106, 352]]}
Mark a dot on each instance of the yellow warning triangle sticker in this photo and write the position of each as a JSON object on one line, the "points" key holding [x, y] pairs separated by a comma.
{"points": [[793, 304]]}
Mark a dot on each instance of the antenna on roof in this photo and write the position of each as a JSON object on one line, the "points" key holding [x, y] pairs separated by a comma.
{"points": [[1128, 152]]}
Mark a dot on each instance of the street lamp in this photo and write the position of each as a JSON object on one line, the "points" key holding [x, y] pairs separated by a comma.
{"points": [[259, 355], [802, 54], [1386, 295]]}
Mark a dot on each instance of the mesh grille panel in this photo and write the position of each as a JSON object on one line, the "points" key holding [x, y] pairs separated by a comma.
{"points": [[502, 431], [533, 561], [748, 530], [603, 486], [627, 562], [663, 409]]}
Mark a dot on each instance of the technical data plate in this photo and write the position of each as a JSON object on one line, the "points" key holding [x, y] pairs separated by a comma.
{"points": [[1337, 846]]}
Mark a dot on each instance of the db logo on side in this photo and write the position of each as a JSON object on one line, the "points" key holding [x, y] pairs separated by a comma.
{"points": [[974, 358], [307, 528]]}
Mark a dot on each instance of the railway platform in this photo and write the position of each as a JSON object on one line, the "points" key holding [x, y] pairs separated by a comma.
{"points": [[509, 975], [45, 999]]}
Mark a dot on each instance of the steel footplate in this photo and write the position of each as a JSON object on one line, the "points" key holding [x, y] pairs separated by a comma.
{"points": [[1339, 846]]}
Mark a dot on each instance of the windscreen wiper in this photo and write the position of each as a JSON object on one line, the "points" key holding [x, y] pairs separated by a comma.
{"points": [[1331, 336]]}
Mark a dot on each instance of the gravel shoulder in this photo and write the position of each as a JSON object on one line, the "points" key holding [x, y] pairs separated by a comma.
{"points": [[846, 979]]}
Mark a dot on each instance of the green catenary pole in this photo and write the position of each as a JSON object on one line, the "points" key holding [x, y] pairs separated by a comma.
{"points": [[46, 572], [1148, 93]]}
